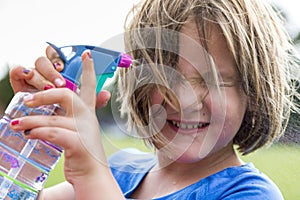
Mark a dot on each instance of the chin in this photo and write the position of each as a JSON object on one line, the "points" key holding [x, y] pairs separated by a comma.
{"points": [[188, 159], [190, 155]]}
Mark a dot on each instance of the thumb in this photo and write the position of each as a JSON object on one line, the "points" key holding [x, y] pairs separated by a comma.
{"points": [[88, 82]]}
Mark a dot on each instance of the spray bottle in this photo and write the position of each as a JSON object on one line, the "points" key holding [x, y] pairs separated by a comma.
{"points": [[26, 163]]}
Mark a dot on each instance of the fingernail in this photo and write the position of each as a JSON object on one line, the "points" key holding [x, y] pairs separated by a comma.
{"points": [[58, 82], [15, 122], [47, 87], [26, 71], [28, 97], [89, 54], [27, 132], [86, 55], [56, 65]]}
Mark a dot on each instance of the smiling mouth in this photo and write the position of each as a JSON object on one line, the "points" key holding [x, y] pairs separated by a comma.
{"points": [[188, 126]]}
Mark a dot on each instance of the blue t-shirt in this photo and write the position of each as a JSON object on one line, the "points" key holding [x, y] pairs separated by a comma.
{"points": [[130, 166]]}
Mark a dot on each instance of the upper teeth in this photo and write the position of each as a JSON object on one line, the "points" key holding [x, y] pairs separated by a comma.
{"points": [[188, 126]]}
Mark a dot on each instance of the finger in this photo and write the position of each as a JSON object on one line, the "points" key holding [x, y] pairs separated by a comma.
{"points": [[67, 139], [88, 85], [39, 82], [70, 141], [23, 79], [102, 99], [18, 75], [67, 99], [46, 69], [31, 122], [54, 58]]}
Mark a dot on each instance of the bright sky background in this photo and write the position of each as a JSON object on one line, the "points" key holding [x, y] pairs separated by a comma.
{"points": [[27, 24]]}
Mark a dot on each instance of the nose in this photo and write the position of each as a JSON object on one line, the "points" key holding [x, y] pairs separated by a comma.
{"points": [[190, 98]]}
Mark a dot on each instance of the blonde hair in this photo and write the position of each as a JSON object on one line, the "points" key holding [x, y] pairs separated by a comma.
{"points": [[257, 40]]}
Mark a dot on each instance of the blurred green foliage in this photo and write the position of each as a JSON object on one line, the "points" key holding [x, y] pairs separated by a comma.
{"points": [[6, 92]]}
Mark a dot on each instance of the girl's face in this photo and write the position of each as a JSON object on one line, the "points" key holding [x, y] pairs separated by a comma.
{"points": [[209, 116]]}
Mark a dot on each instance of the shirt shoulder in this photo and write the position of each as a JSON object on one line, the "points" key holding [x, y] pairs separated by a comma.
{"points": [[129, 167], [233, 183], [247, 182], [132, 159]]}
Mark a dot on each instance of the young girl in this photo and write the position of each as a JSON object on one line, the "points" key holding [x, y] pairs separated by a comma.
{"points": [[211, 75]]}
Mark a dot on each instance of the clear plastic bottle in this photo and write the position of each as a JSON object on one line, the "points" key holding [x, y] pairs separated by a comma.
{"points": [[24, 162]]}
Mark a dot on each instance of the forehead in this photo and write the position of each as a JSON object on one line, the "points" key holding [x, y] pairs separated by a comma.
{"points": [[197, 48]]}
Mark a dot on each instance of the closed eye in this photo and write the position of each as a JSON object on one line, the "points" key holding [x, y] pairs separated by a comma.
{"points": [[227, 84]]}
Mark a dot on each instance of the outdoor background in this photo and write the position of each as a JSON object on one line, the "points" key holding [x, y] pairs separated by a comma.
{"points": [[27, 24]]}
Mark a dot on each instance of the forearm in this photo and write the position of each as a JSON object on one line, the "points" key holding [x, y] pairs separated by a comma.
{"points": [[61, 191], [101, 186]]}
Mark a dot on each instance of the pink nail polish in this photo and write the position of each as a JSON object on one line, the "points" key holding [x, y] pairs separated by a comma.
{"points": [[89, 54], [47, 87], [15, 122], [86, 55], [56, 65]]}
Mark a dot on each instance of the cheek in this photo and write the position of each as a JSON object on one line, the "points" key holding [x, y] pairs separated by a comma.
{"points": [[229, 117], [235, 111]]}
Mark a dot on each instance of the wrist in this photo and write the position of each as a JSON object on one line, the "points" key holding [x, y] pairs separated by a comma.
{"points": [[97, 185], [90, 171]]}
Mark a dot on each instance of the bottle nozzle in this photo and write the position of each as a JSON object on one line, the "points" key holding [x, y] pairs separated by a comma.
{"points": [[125, 60]]}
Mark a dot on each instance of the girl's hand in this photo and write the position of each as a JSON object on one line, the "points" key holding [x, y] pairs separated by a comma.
{"points": [[45, 75], [77, 132]]}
